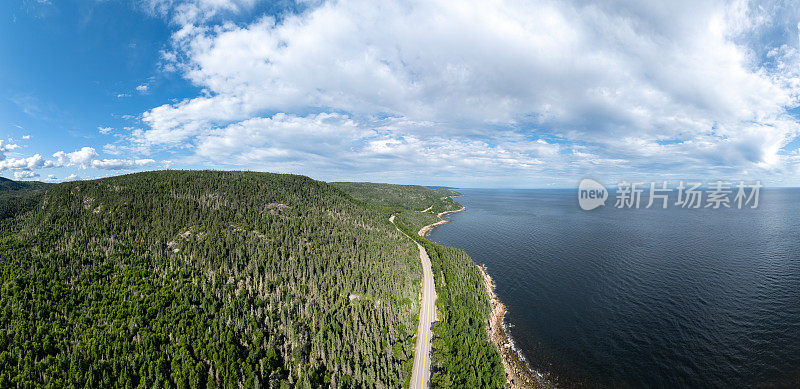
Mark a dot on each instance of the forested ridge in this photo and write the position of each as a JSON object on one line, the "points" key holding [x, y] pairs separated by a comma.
{"points": [[220, 279], [402, 197], [18, 196]]}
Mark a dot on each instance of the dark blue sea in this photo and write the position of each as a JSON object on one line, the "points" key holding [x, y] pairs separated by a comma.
{"points": [[642, 297]]}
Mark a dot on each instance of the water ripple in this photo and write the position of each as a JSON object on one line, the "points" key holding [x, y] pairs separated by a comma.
{"points": [[637, 298]]}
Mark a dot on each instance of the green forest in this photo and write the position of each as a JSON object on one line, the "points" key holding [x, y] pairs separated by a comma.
{"points": [[229, 279]]}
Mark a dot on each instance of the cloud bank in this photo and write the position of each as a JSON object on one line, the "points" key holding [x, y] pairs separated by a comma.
{"points": [[681, 87], [498, 92], [26, 168]]}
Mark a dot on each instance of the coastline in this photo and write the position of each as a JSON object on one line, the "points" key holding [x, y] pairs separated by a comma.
{"points": [[518, 373], [423, 232]]}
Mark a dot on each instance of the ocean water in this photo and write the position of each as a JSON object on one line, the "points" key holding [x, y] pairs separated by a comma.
{"points": [[642, 297]]}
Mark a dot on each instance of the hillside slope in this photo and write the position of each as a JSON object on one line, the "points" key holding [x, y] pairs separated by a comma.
{"points": [[205, 279]]}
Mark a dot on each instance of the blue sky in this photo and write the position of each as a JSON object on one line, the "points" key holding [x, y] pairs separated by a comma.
{"points": [[68, 68], [503, 93]]}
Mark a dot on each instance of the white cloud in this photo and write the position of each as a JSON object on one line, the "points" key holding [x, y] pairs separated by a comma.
{"points": [[87, 157], [678, 85], [330, 144], [81, 158], [54, 178], [193, 11], [26, 137], [104, 130], [5, 147], [118, 164], [142, 88], [25, 175], [30, 163]]}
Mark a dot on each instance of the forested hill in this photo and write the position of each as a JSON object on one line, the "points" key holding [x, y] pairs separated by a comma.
{"points": [[10, 185], [18, 196], [402, 197], [205, 279]]}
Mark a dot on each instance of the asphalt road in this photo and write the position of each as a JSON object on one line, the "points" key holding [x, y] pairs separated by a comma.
{"points": [[421, 371]]}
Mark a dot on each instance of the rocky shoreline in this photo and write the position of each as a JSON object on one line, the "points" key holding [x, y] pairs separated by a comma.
{"points": [[518, 372]]}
